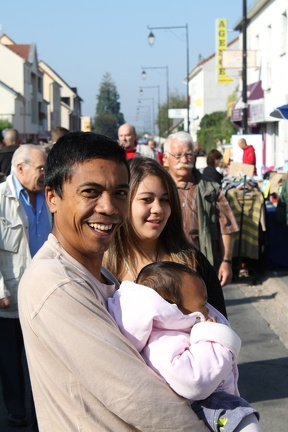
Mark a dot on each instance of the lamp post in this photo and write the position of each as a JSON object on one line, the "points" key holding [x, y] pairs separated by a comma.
{"points": [[244, 71], [144, 74], [153, 112], [151, 40], [158, 88]]}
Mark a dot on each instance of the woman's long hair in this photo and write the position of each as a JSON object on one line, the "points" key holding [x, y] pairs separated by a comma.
{"points": [[172, 242]]}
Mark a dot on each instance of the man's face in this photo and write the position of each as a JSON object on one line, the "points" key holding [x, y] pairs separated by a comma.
{"points": [[179, 159], [93, 206], [31, 175], [241, 144], [127, 138]]}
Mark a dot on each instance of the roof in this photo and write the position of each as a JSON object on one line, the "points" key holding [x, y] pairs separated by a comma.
{"points": [[254, 9], [22, 50]]}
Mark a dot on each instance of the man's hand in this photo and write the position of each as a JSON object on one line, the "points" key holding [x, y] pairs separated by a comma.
{"points": [[4, 302], [225, 273]]}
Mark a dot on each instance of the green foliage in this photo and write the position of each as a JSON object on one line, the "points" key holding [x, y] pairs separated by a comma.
{"points": [[108, 116], [214, 127], [5, 124], [105, 124], [175, 101]]}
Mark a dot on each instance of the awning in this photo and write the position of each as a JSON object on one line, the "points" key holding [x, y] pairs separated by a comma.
{"points": [[255, 100], [280, 112]]}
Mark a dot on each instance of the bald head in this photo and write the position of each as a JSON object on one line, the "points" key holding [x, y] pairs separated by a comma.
{"points": [[11, 137], [127, 136], [242, 143]]}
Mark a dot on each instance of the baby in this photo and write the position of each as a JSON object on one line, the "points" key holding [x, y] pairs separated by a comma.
{"points": [[185, 340]]}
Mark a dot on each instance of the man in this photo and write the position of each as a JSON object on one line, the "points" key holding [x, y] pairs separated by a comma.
{"points": [[11, 143], [25, 223], [198, 152], [128, 140], [249, 156], [57, 132], [208, 220], [151, 144], [85, 374]]}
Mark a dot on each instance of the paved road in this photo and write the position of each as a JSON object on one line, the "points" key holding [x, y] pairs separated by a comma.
{"points": [[263, 361]]}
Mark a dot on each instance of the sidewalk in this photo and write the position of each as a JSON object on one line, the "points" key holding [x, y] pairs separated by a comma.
{"points": [[254, 312], [270, 297]]}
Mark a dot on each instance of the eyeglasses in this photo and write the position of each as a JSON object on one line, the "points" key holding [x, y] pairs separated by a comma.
{"points": [[40, 169], [180, 156]]}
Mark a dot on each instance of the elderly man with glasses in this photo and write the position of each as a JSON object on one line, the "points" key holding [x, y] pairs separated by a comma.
{"points": [[25, 223], [208, 219]]}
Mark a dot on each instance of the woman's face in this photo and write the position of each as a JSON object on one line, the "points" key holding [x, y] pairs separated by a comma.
{"points": [[150, 208], [218, 162]]}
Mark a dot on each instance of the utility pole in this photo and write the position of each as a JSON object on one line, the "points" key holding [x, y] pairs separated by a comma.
{"points": [[244, 71]]}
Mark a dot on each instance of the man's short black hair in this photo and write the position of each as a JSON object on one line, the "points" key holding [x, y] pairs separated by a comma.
{"points": [[76, 148]]}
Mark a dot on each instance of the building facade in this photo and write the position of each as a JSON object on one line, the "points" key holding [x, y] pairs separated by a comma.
{"points": [[267, 36], [21, 100], [207, 95], [33, 97]]}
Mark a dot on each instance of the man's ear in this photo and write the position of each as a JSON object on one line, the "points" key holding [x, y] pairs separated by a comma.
{"points": [[19, 168], [51, 199], [164, 156]]}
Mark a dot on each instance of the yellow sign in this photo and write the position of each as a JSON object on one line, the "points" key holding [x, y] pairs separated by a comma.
{"points": [[224, 79], [221, 46]]}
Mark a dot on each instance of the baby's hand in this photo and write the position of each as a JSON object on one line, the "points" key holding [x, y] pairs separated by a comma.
{"points": [[212, 319]]}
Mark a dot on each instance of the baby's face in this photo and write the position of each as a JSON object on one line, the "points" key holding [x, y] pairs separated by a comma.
{"points": [[194, 295]]}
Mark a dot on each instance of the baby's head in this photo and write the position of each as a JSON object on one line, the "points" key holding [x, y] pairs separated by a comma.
{"points": [[177, 284]]}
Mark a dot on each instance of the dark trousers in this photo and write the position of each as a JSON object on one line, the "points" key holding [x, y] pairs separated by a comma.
{"points": [[12, 366]]}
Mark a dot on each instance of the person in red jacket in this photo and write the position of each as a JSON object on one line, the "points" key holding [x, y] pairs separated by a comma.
{"points": [[127, 138], [249, 156]]}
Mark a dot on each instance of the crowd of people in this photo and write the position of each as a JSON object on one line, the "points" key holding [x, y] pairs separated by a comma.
{"points": [[77, 221]]}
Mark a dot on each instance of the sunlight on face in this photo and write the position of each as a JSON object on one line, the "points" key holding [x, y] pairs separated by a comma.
{"points": [[150, 209]]}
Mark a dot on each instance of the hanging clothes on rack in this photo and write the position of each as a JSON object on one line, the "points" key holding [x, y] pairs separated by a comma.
{"points": [[247, 204]]}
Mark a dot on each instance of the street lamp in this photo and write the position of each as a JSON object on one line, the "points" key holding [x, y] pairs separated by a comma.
{"points": [[151, 40], [144, 75], [153, 112], [158, 88]]}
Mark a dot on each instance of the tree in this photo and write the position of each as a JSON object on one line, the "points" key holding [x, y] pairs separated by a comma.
{"points": [[175, 101], [214, 127], [4, 124], [108, 116]]}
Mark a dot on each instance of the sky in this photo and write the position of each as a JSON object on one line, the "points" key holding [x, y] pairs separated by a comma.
{"points": [[84, 40]]}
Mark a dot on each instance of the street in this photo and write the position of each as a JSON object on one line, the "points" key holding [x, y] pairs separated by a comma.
{"points": [[259, 314], [263, 360]]}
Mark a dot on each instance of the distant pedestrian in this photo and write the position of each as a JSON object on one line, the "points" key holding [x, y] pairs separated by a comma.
{"points": [[25, 223], [11, 143], [198, 151], [151, 143], [128, 140], [57, 133], [249, 156], [1, 140], [214, 160]]}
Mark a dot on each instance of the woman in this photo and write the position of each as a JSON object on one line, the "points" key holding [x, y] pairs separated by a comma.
{"points": [[214, 160], [154, 231]]}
